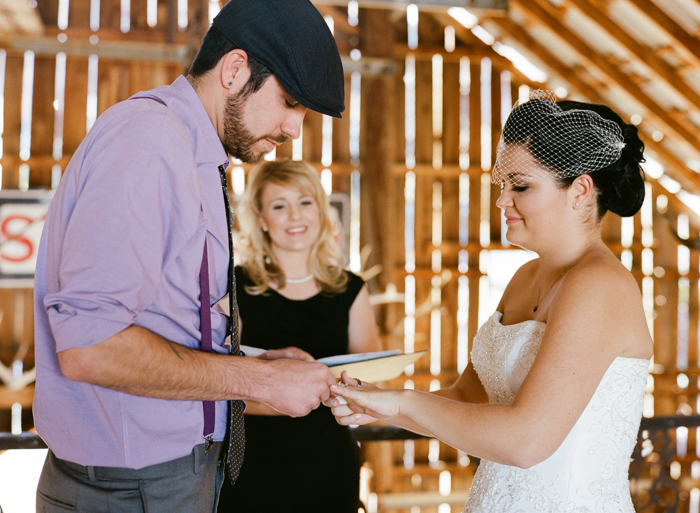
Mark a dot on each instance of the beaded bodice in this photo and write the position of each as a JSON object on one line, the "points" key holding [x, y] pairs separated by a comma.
{"points": [[588, 473]]}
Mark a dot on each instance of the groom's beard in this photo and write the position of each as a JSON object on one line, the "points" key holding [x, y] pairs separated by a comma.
{"points": [[238, 140]]}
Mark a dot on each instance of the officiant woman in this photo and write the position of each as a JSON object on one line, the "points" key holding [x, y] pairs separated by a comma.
{"points": [[293, 290]]}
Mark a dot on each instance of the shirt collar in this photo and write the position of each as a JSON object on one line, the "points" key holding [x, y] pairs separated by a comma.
{"points": [[208, 147]]}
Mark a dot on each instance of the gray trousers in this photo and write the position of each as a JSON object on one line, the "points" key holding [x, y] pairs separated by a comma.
{"points": [[190, 484]]}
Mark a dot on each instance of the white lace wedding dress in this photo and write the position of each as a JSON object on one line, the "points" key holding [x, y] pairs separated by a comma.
{"points": [[589, 471]]}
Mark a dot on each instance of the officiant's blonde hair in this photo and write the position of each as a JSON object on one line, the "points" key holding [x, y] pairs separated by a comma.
{"points": [[326, 259]]}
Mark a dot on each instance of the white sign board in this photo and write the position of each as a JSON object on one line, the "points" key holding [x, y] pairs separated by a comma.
{"points": [[22, 216]]}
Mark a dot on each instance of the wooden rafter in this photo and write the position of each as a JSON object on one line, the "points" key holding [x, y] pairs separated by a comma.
{"points": [[658, 66], [672, 29], [668, 121], [568, 74], [491, 6], [465, 37]]}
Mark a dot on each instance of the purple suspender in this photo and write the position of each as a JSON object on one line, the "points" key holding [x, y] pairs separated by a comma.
{"points": [[204, 320], [205, 328]]}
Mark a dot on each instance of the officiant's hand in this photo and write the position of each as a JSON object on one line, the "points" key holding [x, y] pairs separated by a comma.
{"points": [[290, 353]]}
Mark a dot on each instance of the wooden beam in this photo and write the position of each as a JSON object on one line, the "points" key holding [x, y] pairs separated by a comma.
{"points": [[154, 52], [127, 50], [658, 66], [534, 10], [491, 6]]}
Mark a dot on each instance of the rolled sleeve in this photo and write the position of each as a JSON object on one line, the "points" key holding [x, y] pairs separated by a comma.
{"points": [[120, 234]]}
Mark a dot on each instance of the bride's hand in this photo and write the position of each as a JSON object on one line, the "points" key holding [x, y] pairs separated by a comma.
{"points": [[340, 409], [365, 403]]}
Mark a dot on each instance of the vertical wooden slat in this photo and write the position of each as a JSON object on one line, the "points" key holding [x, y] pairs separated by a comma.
{"points": [[79, 15], [474, 196], [76, 103], [665, 324], [110, 14], [13, 116], [495, 212], [341, 130], [42, 120], [313, 136]]}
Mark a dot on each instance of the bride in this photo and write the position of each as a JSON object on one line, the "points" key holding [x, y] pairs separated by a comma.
{"points": [[552, 398]]}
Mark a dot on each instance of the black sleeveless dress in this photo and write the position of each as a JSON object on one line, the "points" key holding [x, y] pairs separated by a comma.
{"points": [[308, 464]]}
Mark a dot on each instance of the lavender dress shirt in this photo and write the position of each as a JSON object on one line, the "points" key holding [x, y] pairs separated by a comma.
{"points": [[122, 245]]}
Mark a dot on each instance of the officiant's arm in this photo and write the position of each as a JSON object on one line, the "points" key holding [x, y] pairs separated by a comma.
{"points": [[363, 336]]}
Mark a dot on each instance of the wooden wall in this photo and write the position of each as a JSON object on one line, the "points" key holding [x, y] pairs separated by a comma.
{"points": [[426, 202]]}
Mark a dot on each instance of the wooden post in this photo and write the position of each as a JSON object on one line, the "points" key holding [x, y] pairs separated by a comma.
{"points": [[377, 139], [379, 228]]}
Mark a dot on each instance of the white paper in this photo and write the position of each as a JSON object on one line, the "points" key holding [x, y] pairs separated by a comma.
{"points": [[331, 361], [343, 359]]}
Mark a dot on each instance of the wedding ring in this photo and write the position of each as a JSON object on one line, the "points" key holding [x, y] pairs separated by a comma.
{"points": [[359, 383]]}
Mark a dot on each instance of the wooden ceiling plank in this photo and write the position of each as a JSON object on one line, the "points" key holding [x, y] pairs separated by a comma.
{"points": [[465, 36], [534, 11], [661, 69], [566, 73], [673, 30]]}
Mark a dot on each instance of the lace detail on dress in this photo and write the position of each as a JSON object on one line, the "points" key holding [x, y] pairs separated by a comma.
{"points": [[588, 473], [491, 359]]}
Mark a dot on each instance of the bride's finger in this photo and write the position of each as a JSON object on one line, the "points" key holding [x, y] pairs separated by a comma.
{"points": [[349, 393], [356, 419], [341, 410], [345, 378]]}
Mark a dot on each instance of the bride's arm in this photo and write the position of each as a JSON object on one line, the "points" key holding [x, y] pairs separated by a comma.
{"points": [[588, 327], [467, 388]]}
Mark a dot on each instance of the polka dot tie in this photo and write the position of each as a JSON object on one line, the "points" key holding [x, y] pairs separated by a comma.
{"points": [[236, 429]]}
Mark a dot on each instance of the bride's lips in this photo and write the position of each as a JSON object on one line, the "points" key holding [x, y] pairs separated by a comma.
{"points": [[296, 230], [512, 220]]}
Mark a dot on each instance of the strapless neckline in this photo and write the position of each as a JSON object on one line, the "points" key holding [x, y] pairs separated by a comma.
{"points": [[497, 316]]}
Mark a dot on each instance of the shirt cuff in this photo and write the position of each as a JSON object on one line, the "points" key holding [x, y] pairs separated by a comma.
{"points": [[76, 331]]}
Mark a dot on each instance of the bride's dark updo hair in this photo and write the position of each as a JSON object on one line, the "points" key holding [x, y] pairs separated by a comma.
{"points": [[569, 138], [620, 185]]}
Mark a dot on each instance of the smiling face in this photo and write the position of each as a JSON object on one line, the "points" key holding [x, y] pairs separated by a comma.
{"points": [[254, 124], [533, 205], [292, 218]]}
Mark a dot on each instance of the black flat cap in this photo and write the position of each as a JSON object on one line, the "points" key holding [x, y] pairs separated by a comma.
{"points": [[292, 39]]}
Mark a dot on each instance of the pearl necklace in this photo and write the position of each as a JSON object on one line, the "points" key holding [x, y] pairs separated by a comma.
{"points": [[539, 295], [299, 280]]}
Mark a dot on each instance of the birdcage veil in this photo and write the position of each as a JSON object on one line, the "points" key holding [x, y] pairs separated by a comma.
{"points": [[540, 137]]}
